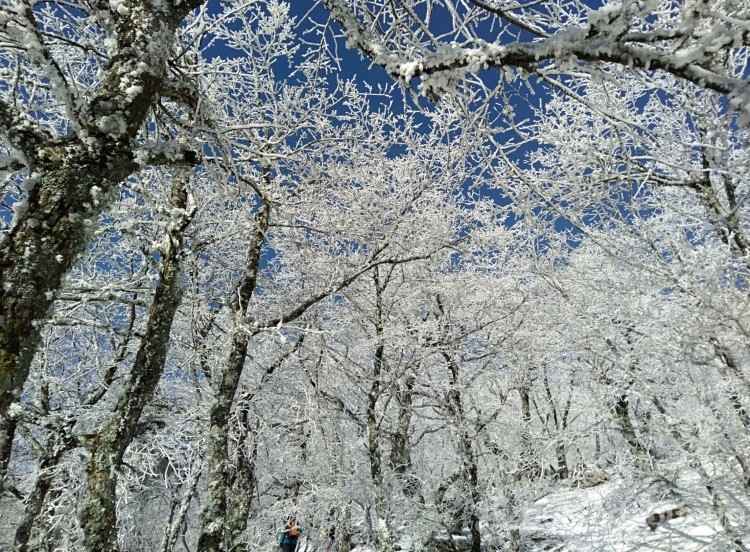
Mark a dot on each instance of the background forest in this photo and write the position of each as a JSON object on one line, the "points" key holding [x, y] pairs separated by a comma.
{"points": [[444, 274]]}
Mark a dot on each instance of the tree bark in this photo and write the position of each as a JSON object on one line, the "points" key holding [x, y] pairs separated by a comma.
{"points": [[529, 464], [469, 469], [7, 432], [243, 483], [560, 426], [74, 182], [382, 522], [468, 459], [97, 511], [214, 512], [401, 448], [622, 414]]}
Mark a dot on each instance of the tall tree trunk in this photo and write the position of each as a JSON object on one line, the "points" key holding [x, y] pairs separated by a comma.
{"points": [[382, 521], [470, 469], [513, 519], [560, 426], [622, 402], [622, 415], [343, 542], [243, 482], [53, 231], [529, 464], [214, 512], [7, 432], [401, 448], [97, 511]]}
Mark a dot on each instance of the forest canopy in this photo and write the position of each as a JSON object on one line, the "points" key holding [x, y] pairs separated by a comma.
{"points": [[421, 275]]}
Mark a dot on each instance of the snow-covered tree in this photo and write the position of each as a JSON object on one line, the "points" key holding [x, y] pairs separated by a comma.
{"points": [[83, 82]]}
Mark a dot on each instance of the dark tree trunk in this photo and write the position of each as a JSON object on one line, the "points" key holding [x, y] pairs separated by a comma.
{"points": [[561, 424], [7, 432], [469, 474], [470, 470], [214, 512], [243, 483], [529, 462], [622, 414], [36, 500], [97, 511], [401, 448], [384, 534]]}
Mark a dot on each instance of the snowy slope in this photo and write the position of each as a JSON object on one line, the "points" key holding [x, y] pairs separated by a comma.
{"points": [[612, 517]]}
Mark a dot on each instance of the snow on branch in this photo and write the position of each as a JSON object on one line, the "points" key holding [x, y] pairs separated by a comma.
{"points": [[695, 42], [22, 131]]}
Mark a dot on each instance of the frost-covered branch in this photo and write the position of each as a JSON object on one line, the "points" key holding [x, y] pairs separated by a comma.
{"points": [[695, 42], [21, 130]]}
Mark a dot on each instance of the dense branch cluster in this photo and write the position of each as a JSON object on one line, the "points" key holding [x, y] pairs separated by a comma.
{"points": [[236, 287]]}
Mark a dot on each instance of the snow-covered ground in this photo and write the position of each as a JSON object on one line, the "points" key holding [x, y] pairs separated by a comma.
{"points": [[612, 517], [609, 517]]}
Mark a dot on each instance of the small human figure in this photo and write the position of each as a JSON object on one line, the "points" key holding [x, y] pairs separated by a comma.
{"points": [[289, 537]]}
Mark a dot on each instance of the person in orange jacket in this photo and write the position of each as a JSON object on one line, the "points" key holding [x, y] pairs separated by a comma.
{"points": [[289, 537]]}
